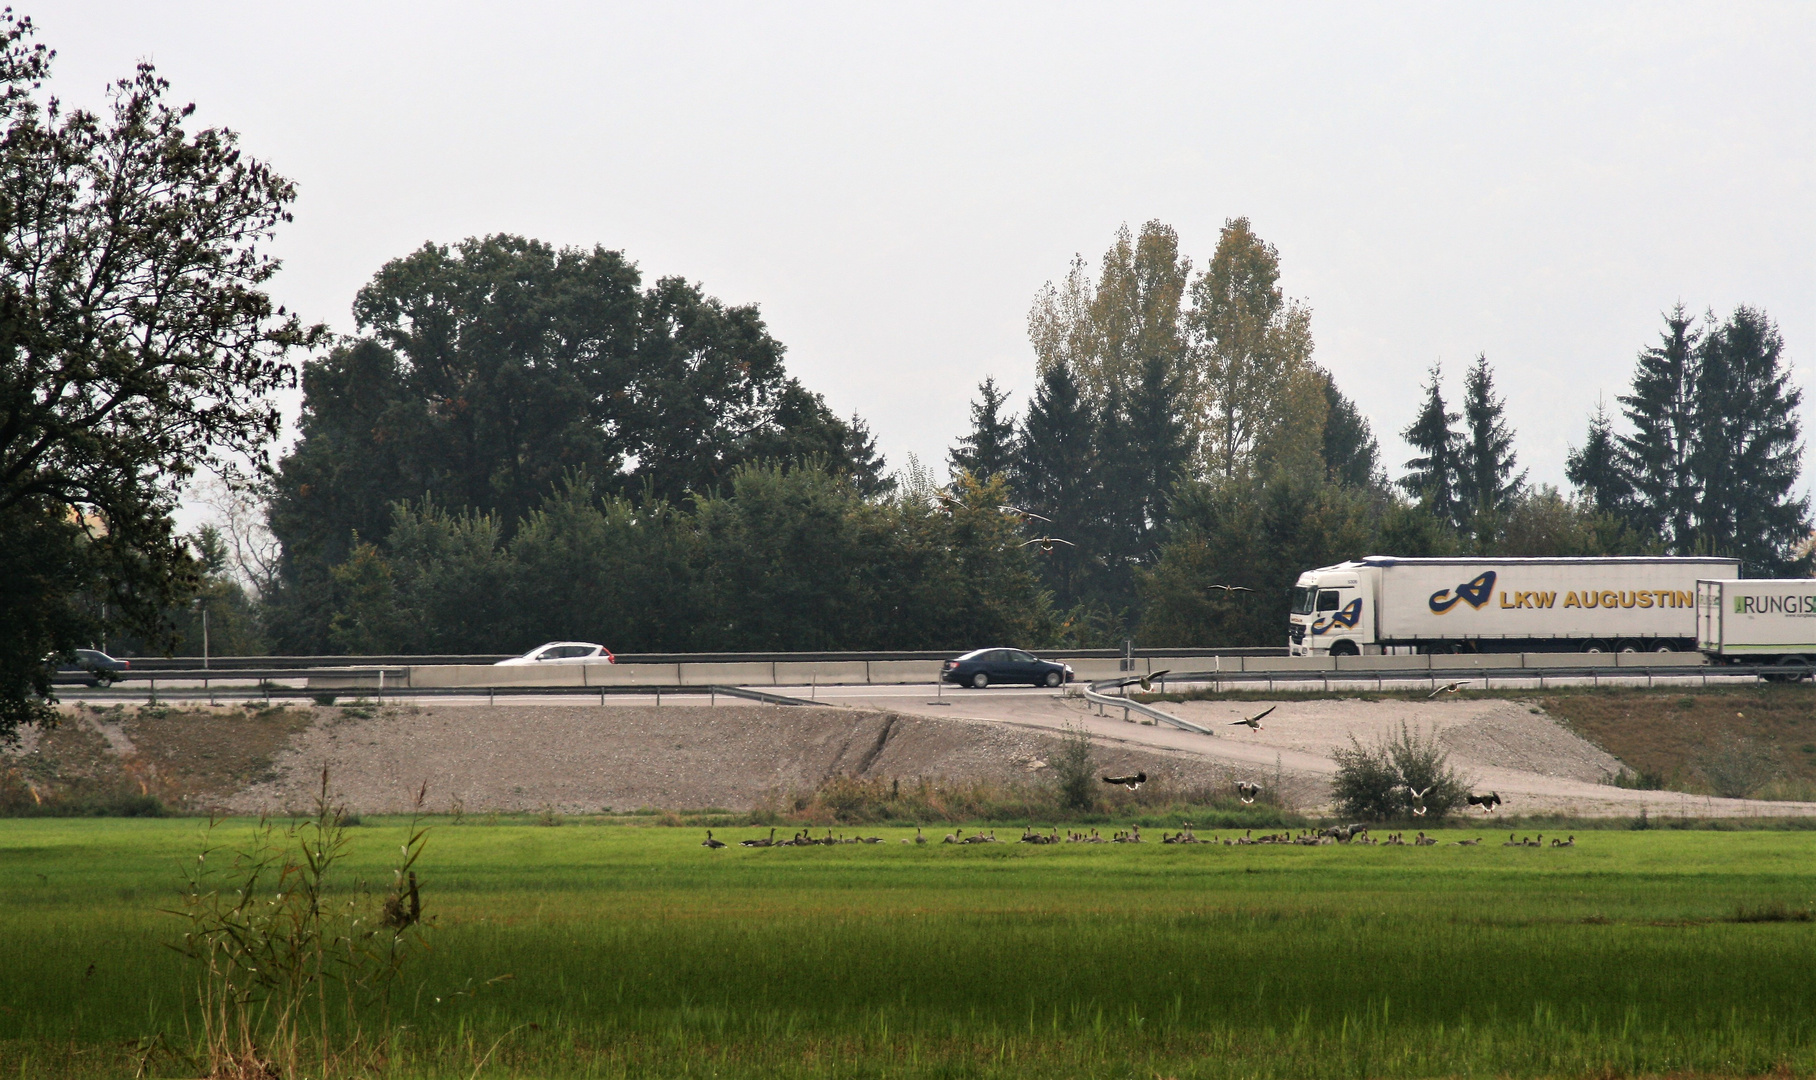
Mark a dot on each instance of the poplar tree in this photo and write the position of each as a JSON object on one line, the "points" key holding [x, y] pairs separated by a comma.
{"points": [[1431, 475]]}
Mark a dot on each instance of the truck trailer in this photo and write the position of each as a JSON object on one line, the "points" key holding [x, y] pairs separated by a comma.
{"points": [[1758, 621], [1384, 604]]}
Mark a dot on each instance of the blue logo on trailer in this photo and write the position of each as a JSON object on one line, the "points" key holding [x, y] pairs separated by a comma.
{"points": [[1474, 592], [1348, 617]]}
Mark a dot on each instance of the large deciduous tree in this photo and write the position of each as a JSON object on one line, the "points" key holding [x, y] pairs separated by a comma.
{"points": [[490, 371], [137, 344]]}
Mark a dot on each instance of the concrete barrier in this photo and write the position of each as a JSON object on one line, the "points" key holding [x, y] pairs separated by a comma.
{"points": [[904, 672], [1660, 659], [1086, 669], [1542, 661], [1419, 662], [759, 673], [802, 673], [1288, 663]]}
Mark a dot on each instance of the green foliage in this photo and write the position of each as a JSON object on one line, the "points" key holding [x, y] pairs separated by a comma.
{"points": [[1486, 483], [1432, 473], [138, 345], [1737, 767], [785, 558], [1075, 770], [989, 449], [1375, 783], [491, 371]]}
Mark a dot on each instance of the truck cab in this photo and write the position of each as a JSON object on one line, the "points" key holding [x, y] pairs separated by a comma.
{"points": [[1330, 613]]}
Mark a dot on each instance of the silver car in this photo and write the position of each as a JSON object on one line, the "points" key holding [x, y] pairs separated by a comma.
{"points": [[563, 652]]}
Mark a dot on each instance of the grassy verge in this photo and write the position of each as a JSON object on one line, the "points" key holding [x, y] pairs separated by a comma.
{"points": [[633, 951]]}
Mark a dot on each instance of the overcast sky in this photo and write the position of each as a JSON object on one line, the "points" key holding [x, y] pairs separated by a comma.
{"points": [[891, 185]]}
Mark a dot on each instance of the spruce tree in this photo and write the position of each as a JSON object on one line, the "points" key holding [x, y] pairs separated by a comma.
{"points": [[1598, 468], [1431, 475], [1055, 476], [1657, 456], [1748, 447], [1486, 482], [989, 450], [1158, 447]]}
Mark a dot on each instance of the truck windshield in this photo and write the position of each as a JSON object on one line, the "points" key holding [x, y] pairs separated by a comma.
{"points": [[1303, 599]]}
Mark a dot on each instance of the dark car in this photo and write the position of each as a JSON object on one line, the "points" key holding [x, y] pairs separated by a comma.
{"points": [[985, 666], [91, 666]]}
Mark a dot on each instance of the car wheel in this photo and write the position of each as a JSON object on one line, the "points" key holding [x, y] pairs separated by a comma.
{"points": [[1052, 678], [980, 680]]}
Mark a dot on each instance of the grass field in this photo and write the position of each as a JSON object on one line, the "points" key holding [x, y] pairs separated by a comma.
{"points": [[635, 952]]}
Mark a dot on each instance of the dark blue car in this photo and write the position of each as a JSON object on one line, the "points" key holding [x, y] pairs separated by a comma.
{"points": [[982, 667], [91, 666]]}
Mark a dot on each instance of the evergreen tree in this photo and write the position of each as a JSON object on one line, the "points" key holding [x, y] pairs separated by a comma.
{"points": [[1656, 457], [989, 450], [1748, 449], [1159, 448], [1055, 476], [1486, 482], [1598, 468], [1431, 474], [1351, 455]]}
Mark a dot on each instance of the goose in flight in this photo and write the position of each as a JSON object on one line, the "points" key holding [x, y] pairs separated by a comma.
{"points": [[1229, 588], [1254, 722], [709, 842], [1246, 791], [1487, 802], [1025, 515], [1147, 681], [1448, 688], [1130, 782], [1046, 542]]}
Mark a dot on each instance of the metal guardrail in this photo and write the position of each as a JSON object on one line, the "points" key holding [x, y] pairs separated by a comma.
{"points": [[1092, 695], [162, 664], [268, 692]]}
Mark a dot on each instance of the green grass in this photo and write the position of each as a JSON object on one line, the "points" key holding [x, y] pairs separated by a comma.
{"points": [[635, 952]]}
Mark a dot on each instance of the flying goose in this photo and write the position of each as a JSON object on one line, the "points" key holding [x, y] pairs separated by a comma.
{"points": [[1229, 588], [1448, 688], [1247, 790], [1254, 722], [1130, 782], [1487, 802], [1147, 681], [1025, 515], [709, 842], [1046, 542]]}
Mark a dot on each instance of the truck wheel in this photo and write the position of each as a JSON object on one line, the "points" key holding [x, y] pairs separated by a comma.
{"points": [[1594, 646], [1628, 647], [1663, 646], [1345, 648], [1800, 669], [980, 680]]}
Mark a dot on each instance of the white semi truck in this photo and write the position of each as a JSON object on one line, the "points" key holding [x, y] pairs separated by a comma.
{"points": [[1758, 621], [1381, 604]]}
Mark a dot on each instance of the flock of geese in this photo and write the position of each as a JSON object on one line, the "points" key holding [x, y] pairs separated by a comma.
{"points": [[1335, 834]]}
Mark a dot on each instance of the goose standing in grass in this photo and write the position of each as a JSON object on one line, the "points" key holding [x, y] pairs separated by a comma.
{"points": [[1555, 842], [709, 842], [760, 841], [1477, 842], [953, 837]]}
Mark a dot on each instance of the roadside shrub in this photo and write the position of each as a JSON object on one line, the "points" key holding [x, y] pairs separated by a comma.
{"points": [[1375, 783], [1738, 767], [1075, 770]]}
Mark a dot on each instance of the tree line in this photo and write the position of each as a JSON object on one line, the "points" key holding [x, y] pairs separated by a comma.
{"points": [[523, 442]]}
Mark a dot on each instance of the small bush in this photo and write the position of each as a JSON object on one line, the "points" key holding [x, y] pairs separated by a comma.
{"points": [[1075, 770], [1738, 767], [1636, 781], [322, 699], [1376, 783]]}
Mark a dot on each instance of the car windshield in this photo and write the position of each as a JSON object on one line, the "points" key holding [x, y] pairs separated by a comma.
{"points": [[1303, 599]]}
